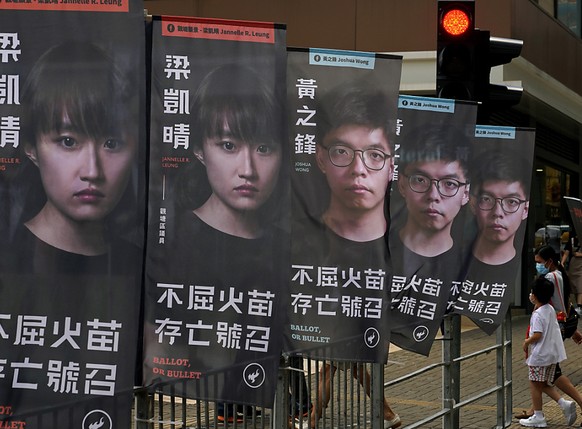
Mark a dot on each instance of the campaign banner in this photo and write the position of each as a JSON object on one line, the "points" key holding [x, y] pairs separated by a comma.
{"points": [[575, 209], [428, 205], [342, 115], [500, 174], [72, 183], [218, 238]]}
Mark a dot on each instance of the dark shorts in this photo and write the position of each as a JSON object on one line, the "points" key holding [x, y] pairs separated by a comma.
{"points": [[557, 374]]}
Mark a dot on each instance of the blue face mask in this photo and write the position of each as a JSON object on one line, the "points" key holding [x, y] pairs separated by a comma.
{"points": [[541, 269]]}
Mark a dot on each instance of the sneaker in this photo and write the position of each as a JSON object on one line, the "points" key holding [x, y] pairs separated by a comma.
{"points": [[394, 423], [302, 421], [569, 411], [295, 423], [534, 422]]}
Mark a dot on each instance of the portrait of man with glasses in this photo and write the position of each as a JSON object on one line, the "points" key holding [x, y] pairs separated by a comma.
{"points": [[500, 203], [355, 155], [500, 185], [347, 239], [434, 184], [426, 234]]}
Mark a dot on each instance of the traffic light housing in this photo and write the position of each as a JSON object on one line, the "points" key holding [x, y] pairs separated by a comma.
{"points": [[465, 56], [456, 72], [491, 52]]}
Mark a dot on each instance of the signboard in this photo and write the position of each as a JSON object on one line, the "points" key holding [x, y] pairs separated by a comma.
{"points": [[428, 205], [72, 167], [342, 108], [500, 189], [216, 267]]}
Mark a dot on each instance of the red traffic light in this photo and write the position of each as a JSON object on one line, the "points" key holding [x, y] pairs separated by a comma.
{"points": [[456, 22], [456, 49]]}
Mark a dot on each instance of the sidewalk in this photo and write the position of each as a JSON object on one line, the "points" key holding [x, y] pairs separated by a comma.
{"points": [[416, 399]]}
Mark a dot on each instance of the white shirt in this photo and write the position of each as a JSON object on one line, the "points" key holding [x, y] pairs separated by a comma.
{"points": [[550, 348]]}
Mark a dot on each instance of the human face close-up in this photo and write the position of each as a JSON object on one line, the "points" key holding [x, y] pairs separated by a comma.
{"points": [[242, 175], [431, 211], [497, 225], [83, 177], [356, 186]]}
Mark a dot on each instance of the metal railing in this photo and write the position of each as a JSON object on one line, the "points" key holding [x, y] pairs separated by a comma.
{"points": [[459, 384]]}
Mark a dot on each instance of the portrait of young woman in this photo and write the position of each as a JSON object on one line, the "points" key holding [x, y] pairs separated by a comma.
{"points": [[80, 146], [228, 236]]}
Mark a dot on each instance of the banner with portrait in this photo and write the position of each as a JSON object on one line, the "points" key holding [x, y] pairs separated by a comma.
{"points": [[500, 174], [342, 117], [72, 183], [575, 209], [218, 238], [428, 205], [572, 248]]}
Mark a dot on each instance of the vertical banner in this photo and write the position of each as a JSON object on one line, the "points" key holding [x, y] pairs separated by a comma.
{"points": [[72, 155], [500, 172], [575, 209], [342, 108], [574, 263], [427, 210], [218, 241]]}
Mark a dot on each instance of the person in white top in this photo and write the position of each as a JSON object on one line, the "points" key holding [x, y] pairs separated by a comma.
{"points": [[547, 265], [544, 348]]}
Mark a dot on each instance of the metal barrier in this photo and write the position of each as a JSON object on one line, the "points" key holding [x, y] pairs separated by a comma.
{"points": [[463, 386]]}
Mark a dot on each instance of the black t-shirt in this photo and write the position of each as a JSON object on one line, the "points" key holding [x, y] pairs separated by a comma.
{"points": [[28, 254], [228, 313], [65, 310], [421, 288], [572, 245], [339, 294], [486, 292]]}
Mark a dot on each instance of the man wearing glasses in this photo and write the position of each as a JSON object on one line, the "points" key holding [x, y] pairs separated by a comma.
{"points": [[427, 257], [434, 184], [356, 158], [349, 237], [500, 203]]}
